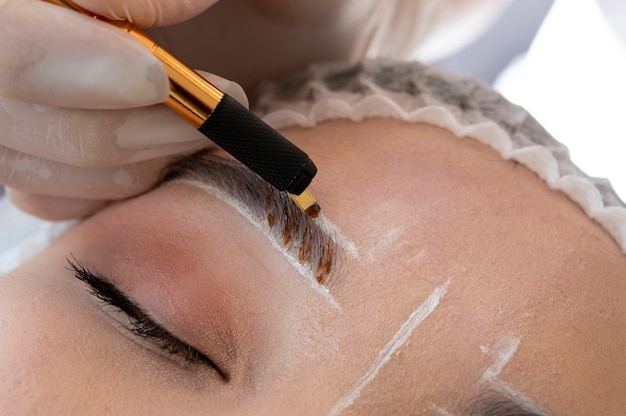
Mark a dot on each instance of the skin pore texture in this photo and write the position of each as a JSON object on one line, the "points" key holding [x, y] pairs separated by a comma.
{"points": [[462, 283]]}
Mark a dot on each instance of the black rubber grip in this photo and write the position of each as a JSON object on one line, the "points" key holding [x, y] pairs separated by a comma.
{"points": [[262, 149]]}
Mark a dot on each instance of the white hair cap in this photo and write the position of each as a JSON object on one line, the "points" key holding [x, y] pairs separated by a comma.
{"points": [[414, 92]]}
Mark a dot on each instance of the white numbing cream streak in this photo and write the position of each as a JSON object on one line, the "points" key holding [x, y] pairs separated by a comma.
{"points": [[504, 351], [292, 258], [439, 410], [340, 239], [392, 346], [521, 398]]}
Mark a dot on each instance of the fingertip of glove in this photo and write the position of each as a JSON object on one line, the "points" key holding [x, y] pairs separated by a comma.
{"points": [[53, 208]]}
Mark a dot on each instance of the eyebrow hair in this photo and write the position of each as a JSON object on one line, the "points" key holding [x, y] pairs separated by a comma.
{"points": [[311, 243], [493, 403]]}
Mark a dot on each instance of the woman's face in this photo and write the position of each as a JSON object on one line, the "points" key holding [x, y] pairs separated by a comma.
{"points": [[452, 281]]}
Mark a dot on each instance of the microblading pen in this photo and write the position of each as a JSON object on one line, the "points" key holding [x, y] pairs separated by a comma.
{"points": [[229, 124]]}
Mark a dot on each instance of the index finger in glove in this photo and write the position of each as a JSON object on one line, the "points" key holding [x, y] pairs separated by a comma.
{"points": [[95, 138], [31, 174], [56, 56], [98, 138], [54, 208]]}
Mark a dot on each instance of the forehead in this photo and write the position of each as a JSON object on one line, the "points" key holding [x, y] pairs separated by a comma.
{"points": [[390, 181], [428, 210]]}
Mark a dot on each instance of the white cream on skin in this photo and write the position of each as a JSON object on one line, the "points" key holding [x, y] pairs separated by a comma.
{"points": [[521, 398], [439, 410], [504, 350], [292, 258], [383, 242], [343, 241], [398, 340]]}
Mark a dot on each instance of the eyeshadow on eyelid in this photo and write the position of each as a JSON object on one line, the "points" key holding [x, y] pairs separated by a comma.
{"points": [[142, 324]]}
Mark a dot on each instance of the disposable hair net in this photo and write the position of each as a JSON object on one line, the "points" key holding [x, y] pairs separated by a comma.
{"points": [[414, 92]]}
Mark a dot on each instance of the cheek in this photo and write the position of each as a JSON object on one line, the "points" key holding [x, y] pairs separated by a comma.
{"points": [[46, 344]]}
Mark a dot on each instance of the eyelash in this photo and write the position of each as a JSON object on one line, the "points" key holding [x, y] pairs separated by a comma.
{"points": [[141, 323]]}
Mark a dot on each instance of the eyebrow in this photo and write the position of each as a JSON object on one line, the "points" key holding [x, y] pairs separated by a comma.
{"points": [[493, 403], [311, 244]]}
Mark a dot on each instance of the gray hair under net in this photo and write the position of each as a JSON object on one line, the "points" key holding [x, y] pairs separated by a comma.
{"points": [[418, 93]]}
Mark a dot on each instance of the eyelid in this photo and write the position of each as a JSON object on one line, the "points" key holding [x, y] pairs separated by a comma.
{"points": [[142, 323]]}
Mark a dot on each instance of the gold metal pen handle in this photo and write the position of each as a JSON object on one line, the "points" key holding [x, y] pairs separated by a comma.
{"points": [[191, 96], [194, 99]]}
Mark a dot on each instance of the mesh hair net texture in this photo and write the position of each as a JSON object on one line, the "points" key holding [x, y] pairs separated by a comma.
{"points": [[414, 92]]}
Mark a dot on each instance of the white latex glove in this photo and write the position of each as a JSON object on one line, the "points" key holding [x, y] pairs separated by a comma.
{"points": [[79, 120]]}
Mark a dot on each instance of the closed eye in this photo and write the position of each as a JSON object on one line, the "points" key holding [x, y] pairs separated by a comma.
{"points": [[141, 323]]}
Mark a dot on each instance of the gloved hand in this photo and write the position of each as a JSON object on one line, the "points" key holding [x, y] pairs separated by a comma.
{"points": [[80, 123]]}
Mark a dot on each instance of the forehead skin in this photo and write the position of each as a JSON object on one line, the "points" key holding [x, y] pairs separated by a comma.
{"points": [[523, 260], [525, 266]]}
